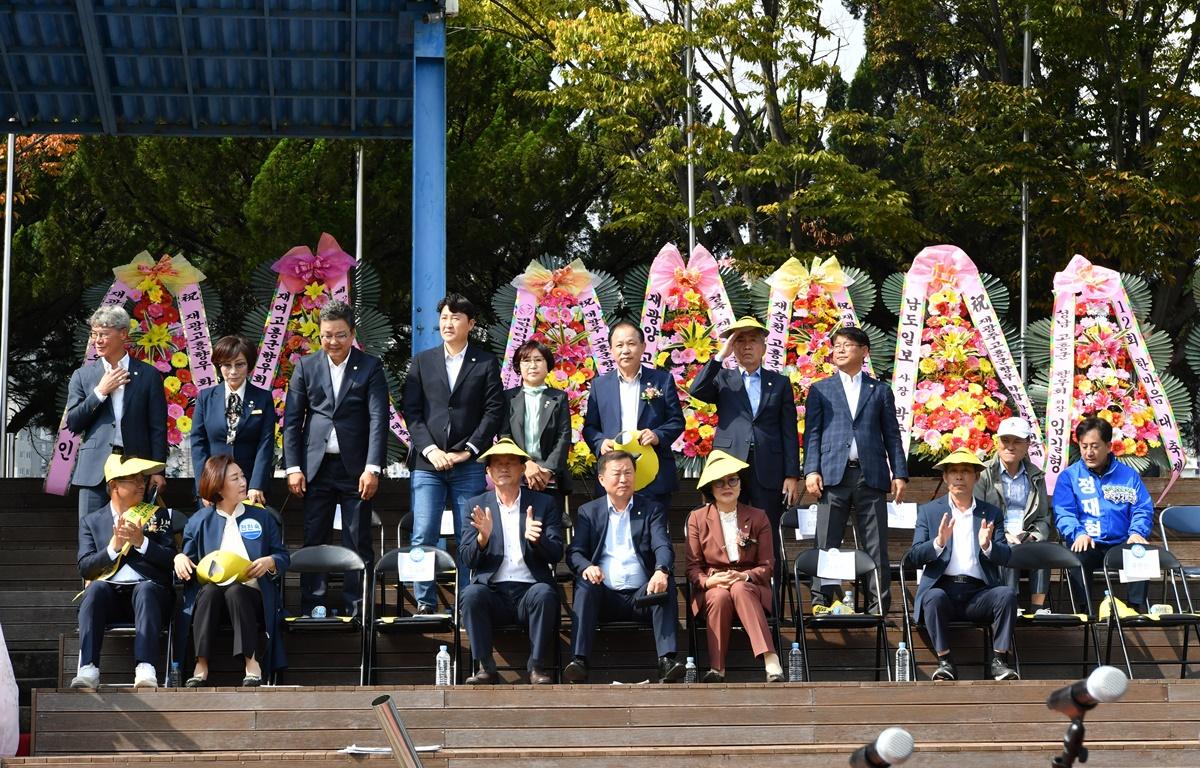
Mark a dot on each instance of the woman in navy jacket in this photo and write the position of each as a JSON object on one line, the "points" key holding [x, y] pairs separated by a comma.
{"points": [[251, 601]]}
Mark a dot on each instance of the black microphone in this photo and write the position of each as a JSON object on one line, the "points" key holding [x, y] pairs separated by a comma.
{"points": [[1103, 685], [893, 747]]}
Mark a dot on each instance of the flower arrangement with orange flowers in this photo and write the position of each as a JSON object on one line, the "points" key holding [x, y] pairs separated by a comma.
{"points": [[958, 402], [688, 342], [1105, 385], [814, 319], [157, 337], [301, 337]]}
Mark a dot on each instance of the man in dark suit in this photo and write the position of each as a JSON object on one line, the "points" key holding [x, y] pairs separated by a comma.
{"points": [[454, 405], [129, 566], [539, 421], [852, 455], [335, 424], [959, 540], [115, 404], [622, 559], [756, 418], [235, 417], [636, 400], [518, 540]]}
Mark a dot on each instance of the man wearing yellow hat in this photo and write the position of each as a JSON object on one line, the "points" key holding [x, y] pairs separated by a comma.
{"points": [[128, 563], [960, 542], [517, 541], [756, 419]]}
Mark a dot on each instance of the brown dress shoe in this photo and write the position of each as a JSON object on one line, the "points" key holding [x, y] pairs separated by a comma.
{"points": [[483, 677], [538, 677]]}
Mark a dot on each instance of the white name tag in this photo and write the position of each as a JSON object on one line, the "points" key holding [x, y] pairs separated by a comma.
{"points": [[416, 565], [902, 515], [1140, 564], [835, 564]]}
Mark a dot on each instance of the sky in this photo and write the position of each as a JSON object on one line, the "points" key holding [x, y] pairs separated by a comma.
{"points": [[848, 31]]}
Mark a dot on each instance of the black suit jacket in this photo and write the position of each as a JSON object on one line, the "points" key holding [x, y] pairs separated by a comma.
{"points": [[540, 557], [472, 413], [555, 443], [359, 414], [254, 445], [647, 526], [96, 530], [772, 430], [143, 418]]}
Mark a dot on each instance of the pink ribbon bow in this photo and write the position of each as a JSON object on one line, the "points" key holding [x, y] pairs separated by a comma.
{"points": [[300, 266], [944, 264], [701, 274], [1089, 281]]}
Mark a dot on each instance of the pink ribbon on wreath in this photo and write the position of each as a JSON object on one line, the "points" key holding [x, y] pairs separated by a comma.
{"points": [[702, 274], [1082, 280], [300, 266]]}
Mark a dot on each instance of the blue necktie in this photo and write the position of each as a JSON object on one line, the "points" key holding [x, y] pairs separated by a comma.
{"points": [[753, 390]]}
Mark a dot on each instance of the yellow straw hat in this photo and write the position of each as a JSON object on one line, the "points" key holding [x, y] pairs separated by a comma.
{"points": [[503, 447], [746, 323], [961, 456], [645, 460], [720, 464], [126, 466]]}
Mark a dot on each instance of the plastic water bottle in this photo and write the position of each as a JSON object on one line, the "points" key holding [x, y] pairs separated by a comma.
{"points": [[174, 676], [903, 663], [443, 666], [795, 665], [848, 600], [690, 675], [318, 612]]}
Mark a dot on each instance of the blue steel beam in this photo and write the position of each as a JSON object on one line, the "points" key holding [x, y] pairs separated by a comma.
{"points": [[429, 180], [95, 55]]}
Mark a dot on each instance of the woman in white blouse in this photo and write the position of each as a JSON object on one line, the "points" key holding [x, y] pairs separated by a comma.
{"points": [[251, 600], [730, 559]]}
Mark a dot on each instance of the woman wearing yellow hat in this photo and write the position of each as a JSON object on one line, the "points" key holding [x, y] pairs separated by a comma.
{"points": [[730, 559], [228, 549]]}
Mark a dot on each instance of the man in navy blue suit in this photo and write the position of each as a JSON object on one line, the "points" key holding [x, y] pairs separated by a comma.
{"points": [[235, 417], [622, 558], [517, 541], [335, 425], [756, 418], [852, 456], [128, 565], [960, 542], [636, 400], [116, 405]]}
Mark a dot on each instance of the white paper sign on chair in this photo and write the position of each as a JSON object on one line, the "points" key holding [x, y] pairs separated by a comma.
{"points": [[1140, 564], [835, 564]]}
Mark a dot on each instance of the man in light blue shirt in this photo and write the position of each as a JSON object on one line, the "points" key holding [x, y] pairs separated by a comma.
{"points": [[622, 559]]}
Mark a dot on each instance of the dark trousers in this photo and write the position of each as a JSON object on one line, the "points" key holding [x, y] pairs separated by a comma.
{"points": [[949, 601], [91, 498], [1135, 591], [595, 603], [145, 603], [330, 486], [870, 521], [485, 606], [242, 604], [769, 500]]}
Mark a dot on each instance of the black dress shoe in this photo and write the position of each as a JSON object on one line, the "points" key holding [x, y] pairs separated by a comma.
{"points": [[713, 676], [670, 670], [576, 672], [538, 677], [196, 682], [483, 677], [1001, 671], [945, 671], [776, 677], [424, 609]]}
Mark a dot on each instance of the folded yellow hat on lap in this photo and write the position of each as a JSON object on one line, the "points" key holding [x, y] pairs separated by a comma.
{"points": [[222, 568]]}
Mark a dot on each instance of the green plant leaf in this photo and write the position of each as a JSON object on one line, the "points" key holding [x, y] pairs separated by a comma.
{"points": [[1140, 295], [891, 291], [997, 292]]}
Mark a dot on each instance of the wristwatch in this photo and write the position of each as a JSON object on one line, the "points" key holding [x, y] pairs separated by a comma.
{"points": [[663, 569]]}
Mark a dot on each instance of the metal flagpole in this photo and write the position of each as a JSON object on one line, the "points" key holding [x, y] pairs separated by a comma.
{"points": [[4, 325], [358, 205], [689, 66], [1025, 79]]}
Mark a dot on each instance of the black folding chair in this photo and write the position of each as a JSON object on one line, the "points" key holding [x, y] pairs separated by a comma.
{"points": [[1185, 520], [788, 591], [1184, 615], [697, 623], [330, 558], [1049, 555], [864, 566], [985, 627], [401, 617]]}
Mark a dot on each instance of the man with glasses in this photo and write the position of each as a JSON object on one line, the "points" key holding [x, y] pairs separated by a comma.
{"points": [[454, 404], [622, 558], [115, 404], [335, 425], [852, 456]]}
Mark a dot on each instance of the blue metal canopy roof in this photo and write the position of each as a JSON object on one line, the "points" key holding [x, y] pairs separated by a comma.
{"points": [[311, 68]]}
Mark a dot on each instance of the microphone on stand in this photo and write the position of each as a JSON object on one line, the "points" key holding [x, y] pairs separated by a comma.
{"points": [[893, 747], [1103, 685]]}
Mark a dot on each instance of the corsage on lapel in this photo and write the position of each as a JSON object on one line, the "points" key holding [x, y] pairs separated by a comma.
{"points": [[745, 539], [651, 393]]}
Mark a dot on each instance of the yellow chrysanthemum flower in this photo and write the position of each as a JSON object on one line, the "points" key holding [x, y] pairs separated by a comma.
{"points": [[179, 360], [172, 384]]}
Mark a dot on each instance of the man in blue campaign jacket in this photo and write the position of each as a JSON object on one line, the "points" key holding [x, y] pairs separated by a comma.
{"points": [[1100, 503]]}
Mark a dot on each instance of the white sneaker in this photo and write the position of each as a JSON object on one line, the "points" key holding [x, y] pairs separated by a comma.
{"points": [[1042, 612], [145, 676], [88, 676]]}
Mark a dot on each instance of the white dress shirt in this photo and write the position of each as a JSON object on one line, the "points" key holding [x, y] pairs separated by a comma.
{"points": [[631, 396], [454, 364], [622, 567], [231, 537], [852, 386], [126, 575], [513, 567], [118, 397], [964, 557], [241, 391], [730, 529]]}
